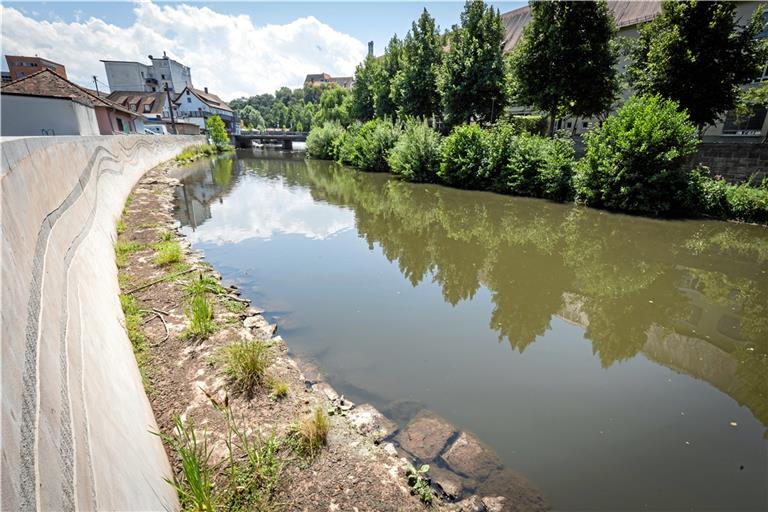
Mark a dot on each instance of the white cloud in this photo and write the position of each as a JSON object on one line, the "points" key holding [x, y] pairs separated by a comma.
{"points": [[227, 53], [274, 208]]}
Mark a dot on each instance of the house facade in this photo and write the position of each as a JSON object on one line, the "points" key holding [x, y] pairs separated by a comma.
{"points": [[629, 15], [317, 79], [196, 106], [162, 72], [20, 66], [44, 103]]}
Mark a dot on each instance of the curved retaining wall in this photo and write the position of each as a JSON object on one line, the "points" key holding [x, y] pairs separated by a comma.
{"points": [[76, 423]]}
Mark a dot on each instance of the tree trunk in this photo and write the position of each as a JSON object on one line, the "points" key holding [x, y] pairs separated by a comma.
{"points": [[552, 123]]}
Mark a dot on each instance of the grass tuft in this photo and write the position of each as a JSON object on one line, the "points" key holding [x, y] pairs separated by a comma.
{"points": [[195, 488], [245, 363], [308, 436], [120, 227], [133, 322], [234, 306], [279, 388], [167, 253], [200, 314], [123, 249]]}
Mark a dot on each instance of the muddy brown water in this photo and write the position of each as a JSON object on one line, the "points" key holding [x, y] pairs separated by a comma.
{"points": [[617, 362]]}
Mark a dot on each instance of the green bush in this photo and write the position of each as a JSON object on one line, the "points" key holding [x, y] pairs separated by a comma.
{"points": [[532, 165], [217, 131], [324, 142], [368, 146], [532, 125], [463, 158], [747, 203], [416, 155], [634, 161], [717, 198]]}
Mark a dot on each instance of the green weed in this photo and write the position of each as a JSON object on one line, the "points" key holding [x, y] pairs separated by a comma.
{"points": [[120, 227], [195, 488], [308, 436], [279, 388], [420, 483], [200, 314], [133, 328], [167, 253], [245, 363], [123, 249], [234, 306]]}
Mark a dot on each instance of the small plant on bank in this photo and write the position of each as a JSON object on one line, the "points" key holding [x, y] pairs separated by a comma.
{"points": [[420, 483], [195, 487], [120, 227], [324, 142], [203, 284], [717, 198], [167, 253], [245, 363], [234, 306], [200, 314], [192, 153], [308, 436], [123, 249], [278, 388], [634, 161], [416, 155]]}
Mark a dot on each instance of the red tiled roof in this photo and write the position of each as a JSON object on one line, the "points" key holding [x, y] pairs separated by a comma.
{"points": [[155, 100], [48, 84]]}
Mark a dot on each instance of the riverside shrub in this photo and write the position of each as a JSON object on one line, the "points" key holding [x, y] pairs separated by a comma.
{"points": [[717, 198], [463, 157], [532, 165], [368, 146], [324, 142], [416, 155], [634, 161]]}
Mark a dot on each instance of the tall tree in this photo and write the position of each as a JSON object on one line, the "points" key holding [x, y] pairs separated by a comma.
{"points": [[334, 106], [472, 75], [415, 88], [697, 54], [566, 61], [384, 102], [364, 89]]}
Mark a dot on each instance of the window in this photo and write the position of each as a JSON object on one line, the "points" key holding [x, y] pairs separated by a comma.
{"points": [[570, 124], [120, 125], [189, 100], [752, 125], [147, 108], [162, 77], [585, 124]]}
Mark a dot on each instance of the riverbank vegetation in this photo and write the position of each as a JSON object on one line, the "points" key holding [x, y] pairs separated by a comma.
{"points": [[243, 430], [441, 111]]}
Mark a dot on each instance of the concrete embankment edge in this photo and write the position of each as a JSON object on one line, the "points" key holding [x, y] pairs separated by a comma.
{"points": [[76, 423]]}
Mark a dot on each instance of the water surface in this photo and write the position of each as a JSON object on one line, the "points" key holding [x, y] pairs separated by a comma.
{"points": [[618, 362]]}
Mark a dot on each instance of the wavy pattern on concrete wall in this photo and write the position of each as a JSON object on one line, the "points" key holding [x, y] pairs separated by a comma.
{"points": [[76, 424]]}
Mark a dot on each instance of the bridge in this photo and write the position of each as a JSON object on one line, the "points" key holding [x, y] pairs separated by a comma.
{"points": [[245, 139]]}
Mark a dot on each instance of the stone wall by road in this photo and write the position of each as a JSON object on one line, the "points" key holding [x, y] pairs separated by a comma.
{"points": [[735, 162], [76, 423]]}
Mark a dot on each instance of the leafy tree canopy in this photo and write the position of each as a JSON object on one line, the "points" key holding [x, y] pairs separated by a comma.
{"points": [[472, 83], [566, 61], [697, 54]]}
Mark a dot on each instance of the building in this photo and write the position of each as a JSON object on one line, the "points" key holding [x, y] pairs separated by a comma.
{"points": [[19, 66], [45, 103], [195, 106], [6, 77], [155, 109], [314, 80], [154, 77], [629, 15]]}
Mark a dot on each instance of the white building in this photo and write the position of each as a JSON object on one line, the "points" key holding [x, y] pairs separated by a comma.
{"points": [[154, 77], [195, 106]]}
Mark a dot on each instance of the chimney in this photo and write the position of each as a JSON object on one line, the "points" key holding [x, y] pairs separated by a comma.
{"points": [[206, 90], [370, 48]]}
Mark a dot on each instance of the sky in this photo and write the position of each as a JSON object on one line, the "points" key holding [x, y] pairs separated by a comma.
{"points": [[234, 48]]}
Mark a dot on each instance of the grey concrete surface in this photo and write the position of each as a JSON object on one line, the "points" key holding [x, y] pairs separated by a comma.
{"points": [[76, 430]]}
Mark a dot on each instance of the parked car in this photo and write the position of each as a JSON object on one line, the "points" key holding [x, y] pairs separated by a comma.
{"points": [[157, 129]]}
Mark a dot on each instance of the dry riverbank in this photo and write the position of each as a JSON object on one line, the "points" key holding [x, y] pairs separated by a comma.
{"points": [[358, 468]]}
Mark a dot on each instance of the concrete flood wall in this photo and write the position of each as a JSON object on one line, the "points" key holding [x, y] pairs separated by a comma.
{"points": [[76, 423]]}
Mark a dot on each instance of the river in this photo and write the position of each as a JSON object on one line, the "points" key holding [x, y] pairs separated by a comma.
{"points": [[617, 362]]}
